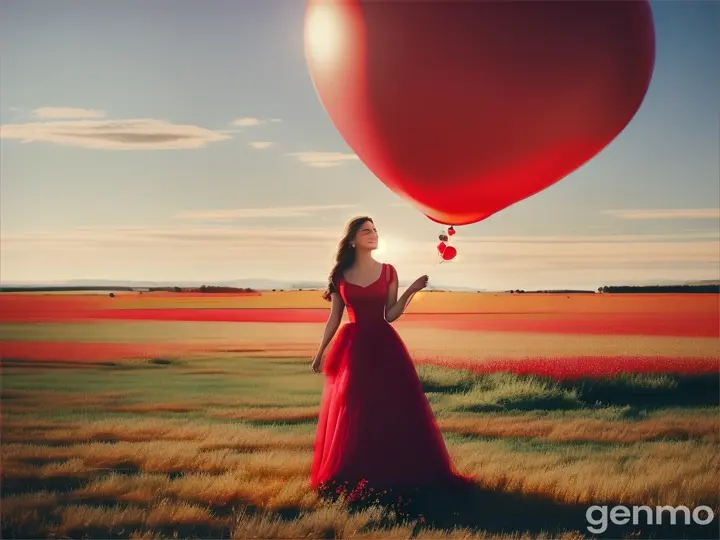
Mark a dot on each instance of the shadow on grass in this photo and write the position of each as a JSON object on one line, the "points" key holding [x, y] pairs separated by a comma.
{"points": [[551, 401], [502, 392], [59, 484], [445, 387], [470, 506], [649, 392]]}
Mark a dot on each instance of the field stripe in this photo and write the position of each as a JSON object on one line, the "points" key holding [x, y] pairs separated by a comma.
{"points": [[581, 366], [556, 367], [701, 324]]}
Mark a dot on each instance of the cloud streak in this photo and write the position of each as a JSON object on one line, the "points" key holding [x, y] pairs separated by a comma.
{"points": [[247, 122], [532, 251], [260, 145], [669, 213], [273, 212], [130, 134], [203, 251], [64, 113], [172, 238], [323, 159], [590, 239], [251, 121]]}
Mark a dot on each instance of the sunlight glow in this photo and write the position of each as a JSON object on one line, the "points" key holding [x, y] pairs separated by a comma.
{"points": [[381, 249], [323, 34]]}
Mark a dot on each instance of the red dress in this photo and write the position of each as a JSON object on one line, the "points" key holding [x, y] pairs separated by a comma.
{"points": [[376, 427]]}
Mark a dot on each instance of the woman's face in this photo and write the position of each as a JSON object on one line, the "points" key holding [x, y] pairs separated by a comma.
{"points": [[367, 236]]}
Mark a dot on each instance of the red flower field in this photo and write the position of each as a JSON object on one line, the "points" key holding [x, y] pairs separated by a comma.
{"points": [[680, 316]]}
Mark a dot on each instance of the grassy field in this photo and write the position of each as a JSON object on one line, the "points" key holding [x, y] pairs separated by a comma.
{"points": [[154, 427]]}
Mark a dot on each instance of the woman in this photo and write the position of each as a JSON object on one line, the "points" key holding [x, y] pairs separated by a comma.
{"points": [[376, 428]]}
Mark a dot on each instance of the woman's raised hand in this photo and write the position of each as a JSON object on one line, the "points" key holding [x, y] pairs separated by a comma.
{"points": [[419, 284]]}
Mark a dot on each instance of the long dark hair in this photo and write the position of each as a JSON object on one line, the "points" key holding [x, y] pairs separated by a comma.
{"points": [[345, 256]]}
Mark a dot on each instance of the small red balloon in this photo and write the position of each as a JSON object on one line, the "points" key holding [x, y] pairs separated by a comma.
{"points": [[449, 253], [441, 247], [451, 230]]}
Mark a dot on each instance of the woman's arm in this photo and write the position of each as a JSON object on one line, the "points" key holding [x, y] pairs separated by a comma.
{"points": [[333, 322], [394, 306]]}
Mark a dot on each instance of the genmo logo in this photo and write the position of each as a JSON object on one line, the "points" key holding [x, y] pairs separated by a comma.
{"points": [[598, 516]]}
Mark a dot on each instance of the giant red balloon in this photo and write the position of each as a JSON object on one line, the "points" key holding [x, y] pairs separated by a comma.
{"points": [[465, 108]]}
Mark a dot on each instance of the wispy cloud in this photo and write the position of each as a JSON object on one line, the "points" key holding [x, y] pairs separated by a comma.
{"points": [[669, 213], [260, 145], [130, 134], [323, 159], [247, 122], [205, 251], [64, 113], [532, 251], [170, 236], [251, 121], [703, 234], [270, 212]]}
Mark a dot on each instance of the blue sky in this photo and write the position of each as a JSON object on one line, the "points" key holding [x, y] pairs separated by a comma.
{"points": [[183, 140]]}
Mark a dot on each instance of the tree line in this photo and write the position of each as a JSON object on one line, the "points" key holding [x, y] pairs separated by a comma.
{"points": [[660, 289], [203, 289]]}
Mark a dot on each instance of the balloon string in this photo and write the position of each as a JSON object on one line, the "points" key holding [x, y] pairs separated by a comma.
{"points": [[436, 264]]}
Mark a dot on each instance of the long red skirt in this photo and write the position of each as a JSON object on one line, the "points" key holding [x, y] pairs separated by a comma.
{"points": [[376, 428]]}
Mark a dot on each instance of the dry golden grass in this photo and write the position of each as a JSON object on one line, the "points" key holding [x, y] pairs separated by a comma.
{"points": [[75, 518], [653, 473], [38, 501], [333, 521], [284, 414], [675, 426], [249, 468], [181, 513], [39, 401], [153, 408], [157, 429]]}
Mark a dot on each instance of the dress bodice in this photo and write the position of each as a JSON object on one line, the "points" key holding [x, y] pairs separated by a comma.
{"points": [[367, 304]]}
